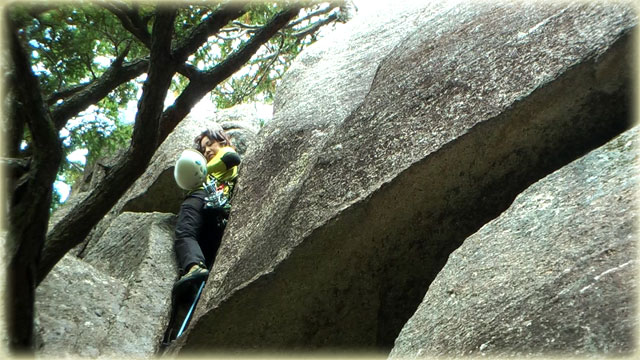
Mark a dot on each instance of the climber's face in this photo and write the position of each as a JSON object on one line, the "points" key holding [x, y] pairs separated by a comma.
{"points": [[210, 147]]}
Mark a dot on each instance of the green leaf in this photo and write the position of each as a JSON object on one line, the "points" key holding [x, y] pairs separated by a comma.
{"points": [[71, 43]]}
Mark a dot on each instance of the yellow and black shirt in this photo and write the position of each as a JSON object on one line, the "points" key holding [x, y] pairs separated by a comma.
{"points": [[223, 167]]}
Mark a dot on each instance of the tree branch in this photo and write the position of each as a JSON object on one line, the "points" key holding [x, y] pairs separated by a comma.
{"points": [[154, 90], [120, 58], [130, 19], [254, 28], [14, 167], [237, 29], [248, 89], [70, 231], [97, 90], [230, 38], [315, 26], [60, 95], [29, 213], [208, 80], [14, 122], [238, 58], [308, 16], [88, 94], [47, 151], [212, 25], [188, 70], [247, 26]]}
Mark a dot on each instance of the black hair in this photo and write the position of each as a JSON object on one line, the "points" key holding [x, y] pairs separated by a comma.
{"points": [[215, 135]]}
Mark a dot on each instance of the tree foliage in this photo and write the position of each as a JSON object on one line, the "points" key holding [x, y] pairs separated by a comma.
{"points": [[73, 44], [76, 67]]}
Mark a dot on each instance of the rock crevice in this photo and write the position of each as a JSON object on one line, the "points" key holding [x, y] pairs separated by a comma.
{"points": [[576, 296]]}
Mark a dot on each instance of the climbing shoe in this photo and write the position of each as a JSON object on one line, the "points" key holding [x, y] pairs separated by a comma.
{"points": [[196, 274]]}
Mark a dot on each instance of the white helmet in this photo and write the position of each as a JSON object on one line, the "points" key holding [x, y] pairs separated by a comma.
{"points": [[190, 171]]}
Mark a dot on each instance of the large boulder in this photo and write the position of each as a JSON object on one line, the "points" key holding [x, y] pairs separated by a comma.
{"points": [[117, 301], [393, 140], [554, 274]]}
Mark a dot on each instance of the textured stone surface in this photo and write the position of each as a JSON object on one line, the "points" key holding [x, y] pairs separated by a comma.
{"points": [[555, 273], [133, 242], [75, 307], [140, 324], [392, 144], [117, 301]]}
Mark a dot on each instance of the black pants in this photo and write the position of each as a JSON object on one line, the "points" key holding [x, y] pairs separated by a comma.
{"points": [[198, 232]]}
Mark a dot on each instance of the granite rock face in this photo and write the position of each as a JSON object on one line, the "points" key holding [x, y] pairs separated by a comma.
{"points": [[392, 144], [117, 300], [554, 274], [75, 306]]}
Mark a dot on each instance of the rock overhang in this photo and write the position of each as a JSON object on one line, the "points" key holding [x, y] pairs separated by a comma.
{"points": [[326, 209]]}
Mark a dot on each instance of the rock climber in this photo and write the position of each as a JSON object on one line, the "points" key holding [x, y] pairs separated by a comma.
{"points": [[205, 210]]}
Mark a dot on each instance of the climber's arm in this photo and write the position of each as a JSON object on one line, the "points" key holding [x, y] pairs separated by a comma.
{"points": [[225, 159]]}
